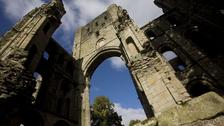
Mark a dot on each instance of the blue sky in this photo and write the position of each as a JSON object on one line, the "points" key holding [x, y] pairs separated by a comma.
{"points": [[112, 77]]}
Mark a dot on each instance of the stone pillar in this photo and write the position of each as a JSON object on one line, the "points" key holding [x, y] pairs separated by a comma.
{"points": [[85, 105], [157, 80]]}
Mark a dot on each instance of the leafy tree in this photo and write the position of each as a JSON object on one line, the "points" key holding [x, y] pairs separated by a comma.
{"points": [[133, 122], [103, 114]]}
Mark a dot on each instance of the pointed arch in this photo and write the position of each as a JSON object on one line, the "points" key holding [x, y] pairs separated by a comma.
{"points": [[98, 58]]}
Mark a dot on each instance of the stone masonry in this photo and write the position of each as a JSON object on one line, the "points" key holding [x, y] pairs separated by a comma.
{"points": [[43, 85]]}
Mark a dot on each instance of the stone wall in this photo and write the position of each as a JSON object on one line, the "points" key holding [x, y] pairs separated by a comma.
{"points": [[205, 110]]}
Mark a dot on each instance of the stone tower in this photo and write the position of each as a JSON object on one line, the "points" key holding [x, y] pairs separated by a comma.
{"points": [[38, 25], [27, 52], [114, 33]]}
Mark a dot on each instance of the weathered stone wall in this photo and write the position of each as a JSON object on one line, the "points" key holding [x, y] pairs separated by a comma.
{"points": [[27, 53], [170, 35], [158, 89], [159, 83], [205, 110], [15, 80], [59, 93]]}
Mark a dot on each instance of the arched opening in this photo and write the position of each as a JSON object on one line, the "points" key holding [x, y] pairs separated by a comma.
{"points": [[39, 79], [131, 46], [46, 55], [174, 60], [198, 87], [111, 78]]}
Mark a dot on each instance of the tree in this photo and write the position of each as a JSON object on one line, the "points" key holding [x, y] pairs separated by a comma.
{"points": [[103, 114], [133, 122]]}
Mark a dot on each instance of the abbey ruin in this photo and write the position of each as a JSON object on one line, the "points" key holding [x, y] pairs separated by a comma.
{"points": [[43, 85]]}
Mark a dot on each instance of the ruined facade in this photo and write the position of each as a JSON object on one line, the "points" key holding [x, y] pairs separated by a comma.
{"points": [[37, 80], [191, 30], [41, 84]]}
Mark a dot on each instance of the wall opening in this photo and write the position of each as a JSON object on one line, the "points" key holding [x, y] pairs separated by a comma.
{"points": [[46, 55], [112, 79], [174, 60], [39, 79]]}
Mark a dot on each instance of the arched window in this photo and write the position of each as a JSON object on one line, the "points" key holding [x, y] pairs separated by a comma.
{"points": [[39, 80], [198, 87], [131, 46], [46, 55], [174, 60]]}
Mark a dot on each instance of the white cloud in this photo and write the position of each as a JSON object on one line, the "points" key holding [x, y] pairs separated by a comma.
{"points": [[129, 114], [117, 63], [142, 11], [96, 89], [15, 9], [80, 12]]}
